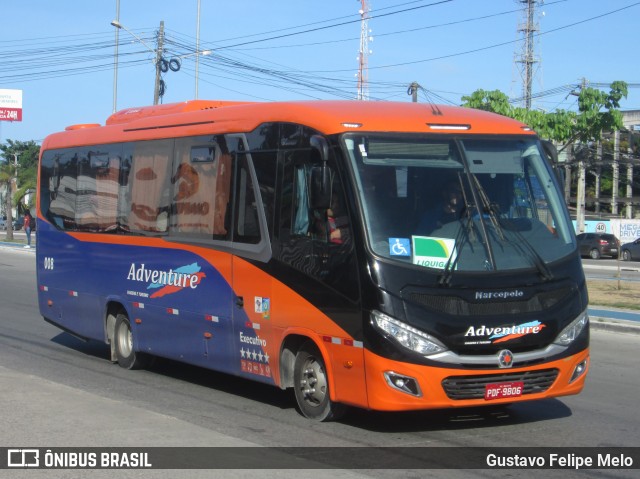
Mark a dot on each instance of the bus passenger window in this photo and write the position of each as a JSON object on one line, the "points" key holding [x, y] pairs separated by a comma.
{"points": [[150, 190], [63, 184]]}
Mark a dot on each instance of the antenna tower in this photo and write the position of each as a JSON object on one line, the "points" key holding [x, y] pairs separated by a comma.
{"points": [[363, 54], [527, 59]]}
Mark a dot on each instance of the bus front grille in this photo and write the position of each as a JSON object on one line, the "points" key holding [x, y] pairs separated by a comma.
{"points": [[473, 387], [460, 307]]}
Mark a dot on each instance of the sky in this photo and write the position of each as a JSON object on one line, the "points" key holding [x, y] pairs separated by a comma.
{"points": [[61, 53]]}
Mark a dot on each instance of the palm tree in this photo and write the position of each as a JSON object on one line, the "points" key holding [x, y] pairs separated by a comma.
{"points": [[7, 173]]}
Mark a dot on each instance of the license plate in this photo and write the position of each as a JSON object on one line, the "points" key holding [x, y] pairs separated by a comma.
{"points": [[503, 390], [614, 250]]}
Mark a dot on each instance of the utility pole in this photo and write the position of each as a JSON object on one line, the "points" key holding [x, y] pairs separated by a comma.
{"points": [[580, 202], [363, 69], [527, 57], [629, 214], [197, 48], [413, 91], [159, 51], [598, 175], [616, 172], [115, 60]]}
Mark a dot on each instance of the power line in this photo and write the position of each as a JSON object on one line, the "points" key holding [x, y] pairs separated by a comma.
{"points": [[489, 47], [332, 26]]}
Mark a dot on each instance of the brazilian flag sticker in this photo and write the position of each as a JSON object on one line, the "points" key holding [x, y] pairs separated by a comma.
{"points": [[433, 252]]}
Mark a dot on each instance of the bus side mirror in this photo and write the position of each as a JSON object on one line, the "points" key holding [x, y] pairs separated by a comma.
{"points": [[551, 153], [320, 187]]}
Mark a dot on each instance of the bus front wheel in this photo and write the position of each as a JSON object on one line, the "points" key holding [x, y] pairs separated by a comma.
{"points": [[126, 356], [312, 386]]}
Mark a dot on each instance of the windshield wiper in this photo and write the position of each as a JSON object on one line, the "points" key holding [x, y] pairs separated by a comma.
{"points": [[521, 245], [528, 251], [465, 231]]}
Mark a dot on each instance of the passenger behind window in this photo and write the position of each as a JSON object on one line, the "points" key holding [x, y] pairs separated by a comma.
{"points": [[337, 222]]}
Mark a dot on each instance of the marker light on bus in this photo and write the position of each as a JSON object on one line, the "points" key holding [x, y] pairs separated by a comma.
{"points": [[441, 126], [352, 125], [407, 336], [571, 332]]}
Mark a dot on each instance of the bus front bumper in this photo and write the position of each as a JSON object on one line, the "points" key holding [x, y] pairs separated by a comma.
{"points": [[398, 386]]}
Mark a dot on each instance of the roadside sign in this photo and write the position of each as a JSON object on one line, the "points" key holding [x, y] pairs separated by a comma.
{"points": [[10, 105]]}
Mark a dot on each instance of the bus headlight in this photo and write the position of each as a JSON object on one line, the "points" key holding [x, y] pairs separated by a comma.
{"points": [[409, 337], [571, 332]]}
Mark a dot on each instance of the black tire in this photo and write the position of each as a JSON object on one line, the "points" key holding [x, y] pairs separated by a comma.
{"points": [[126, 356], [594, 253], [626, 255], [311, 385]]}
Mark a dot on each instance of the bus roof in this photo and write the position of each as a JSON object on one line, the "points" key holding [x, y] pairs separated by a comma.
{"points": [[199, 117]]}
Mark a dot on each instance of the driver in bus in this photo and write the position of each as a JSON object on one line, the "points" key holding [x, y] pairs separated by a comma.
{"points": [[445, 211]]}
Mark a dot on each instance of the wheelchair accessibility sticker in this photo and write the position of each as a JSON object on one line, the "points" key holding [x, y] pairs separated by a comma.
{"points": [[399, 247]]}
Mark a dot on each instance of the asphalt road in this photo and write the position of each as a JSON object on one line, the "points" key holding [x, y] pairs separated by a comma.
{"points": [[609, 269], [59, 391]]}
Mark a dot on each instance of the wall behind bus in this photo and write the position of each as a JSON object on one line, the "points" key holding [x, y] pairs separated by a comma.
{"points": [[625, 230]]}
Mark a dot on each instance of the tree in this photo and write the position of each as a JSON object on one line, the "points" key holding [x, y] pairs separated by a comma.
{"points": [[27, 166], [597, 112]]}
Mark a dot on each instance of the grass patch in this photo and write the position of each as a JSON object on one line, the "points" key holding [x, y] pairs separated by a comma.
{"points": [[607, 293]]}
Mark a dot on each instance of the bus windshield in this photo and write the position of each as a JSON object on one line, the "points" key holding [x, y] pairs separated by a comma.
{"points": [[460, 204]]}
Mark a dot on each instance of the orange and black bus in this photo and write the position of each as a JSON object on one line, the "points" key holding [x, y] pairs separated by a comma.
{"points": [[310, 245]]}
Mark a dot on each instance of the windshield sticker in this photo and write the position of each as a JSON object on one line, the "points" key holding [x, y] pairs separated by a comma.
{"points": [[399, 246], [363, 150], [433, 252]]}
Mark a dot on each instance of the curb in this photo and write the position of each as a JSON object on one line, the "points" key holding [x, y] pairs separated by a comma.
{"points": [[17, 247], [614, 325]]}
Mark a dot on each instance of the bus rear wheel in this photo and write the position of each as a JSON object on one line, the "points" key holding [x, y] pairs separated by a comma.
{"points": [[311, 386], [126, 356]]}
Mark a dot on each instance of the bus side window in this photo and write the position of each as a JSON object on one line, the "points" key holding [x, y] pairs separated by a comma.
{"points": [[247, 223], [62, 170], [265, 165], [200, 181], [97, 198], [150, 191]]}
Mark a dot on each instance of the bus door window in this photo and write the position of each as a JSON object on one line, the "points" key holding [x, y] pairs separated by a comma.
{"points": [[316, 241], [150, 193]]}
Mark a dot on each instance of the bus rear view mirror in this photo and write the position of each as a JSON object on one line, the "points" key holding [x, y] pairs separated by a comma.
{"points": [[551, 152], [320, 187]]}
